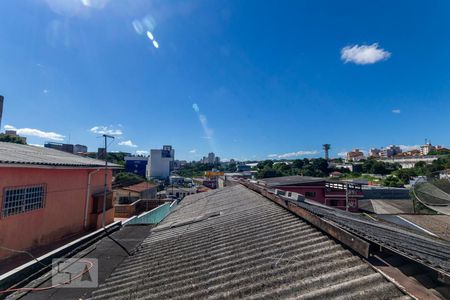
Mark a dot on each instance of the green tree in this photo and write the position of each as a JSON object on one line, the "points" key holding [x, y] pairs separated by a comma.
{"points": [[126, 179], [11, 139], [393, 181], [268, 172]]}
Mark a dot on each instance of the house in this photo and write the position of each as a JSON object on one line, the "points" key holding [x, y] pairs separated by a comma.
{"points": [[331, 193], [335, 174], [355, 155], [128, 194], [46, 195]]}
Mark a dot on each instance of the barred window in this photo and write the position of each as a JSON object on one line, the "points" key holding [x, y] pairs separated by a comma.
{"points": [[18, 200]]}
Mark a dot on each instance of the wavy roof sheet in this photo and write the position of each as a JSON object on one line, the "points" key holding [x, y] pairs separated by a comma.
{"points": [[234, 243], [11, 153]]}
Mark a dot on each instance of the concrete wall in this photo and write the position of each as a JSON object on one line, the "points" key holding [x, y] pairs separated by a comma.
{"points": [[63, 212]]}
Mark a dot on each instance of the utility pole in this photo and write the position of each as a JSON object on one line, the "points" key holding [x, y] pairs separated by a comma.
{"points": [[106, 177]]}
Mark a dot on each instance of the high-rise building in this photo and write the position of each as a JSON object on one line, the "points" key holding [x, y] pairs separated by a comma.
{"points": [[355, 155], [211, 158], [160, 162], [374, 152], [136, 165], [390, 151]]}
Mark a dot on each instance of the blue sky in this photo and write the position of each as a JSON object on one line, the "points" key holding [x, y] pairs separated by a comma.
{"points": [[245, 79]]}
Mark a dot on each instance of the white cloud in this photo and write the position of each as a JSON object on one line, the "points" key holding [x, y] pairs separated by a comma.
{"points": [[193, 151], [409, 147], [106, 130], [37, 133], [141, 152], [208, 132], [128, 143], [342, 154], [364, 54], [293, 154], [396, 111], [36, 145]]}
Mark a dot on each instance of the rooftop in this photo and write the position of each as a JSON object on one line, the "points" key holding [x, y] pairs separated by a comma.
{"points": [[139, 187], [234, 243], [17, 154], [290, 180]]}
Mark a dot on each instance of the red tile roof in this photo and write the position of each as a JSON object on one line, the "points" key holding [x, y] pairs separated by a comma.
{"points": [[139, 187]]}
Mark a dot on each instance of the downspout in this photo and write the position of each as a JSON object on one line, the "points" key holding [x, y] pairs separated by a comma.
{"points": [[88, 194]]}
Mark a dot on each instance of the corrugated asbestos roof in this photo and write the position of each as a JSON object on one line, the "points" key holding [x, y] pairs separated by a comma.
{"points": [[234, 243], [11, 153]]}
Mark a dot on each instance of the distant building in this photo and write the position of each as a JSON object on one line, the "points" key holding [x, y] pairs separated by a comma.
{"points": [[374, 152], [355, 155], [243, 168], [69, 148], [390, 151], [176, 180], [59, 146], [217, 160], [14, 134], [331, 193], [136, 165], [80, 149], [160, 162], [211, 157], [428, 147], [46, 195], [177, 164], [101, 153]]}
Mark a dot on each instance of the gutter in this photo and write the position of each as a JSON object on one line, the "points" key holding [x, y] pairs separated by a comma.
{"points": [[88, 194]]}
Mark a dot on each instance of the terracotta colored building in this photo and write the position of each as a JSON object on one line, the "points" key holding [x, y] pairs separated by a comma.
{"points": [[331, 193], [46, 195]]}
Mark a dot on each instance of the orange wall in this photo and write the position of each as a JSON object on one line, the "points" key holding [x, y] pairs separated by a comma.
{"points": [[63, 213]]}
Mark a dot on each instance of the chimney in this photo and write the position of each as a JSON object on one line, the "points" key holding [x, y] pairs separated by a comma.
{"points": [[1, 110]]}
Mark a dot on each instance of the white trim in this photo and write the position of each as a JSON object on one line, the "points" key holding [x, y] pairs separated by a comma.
{"points": [[415, 225]]}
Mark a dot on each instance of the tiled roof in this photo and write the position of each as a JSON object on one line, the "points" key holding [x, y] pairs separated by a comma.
{"points": [[11, 153], [234, 243], [139, 187]]}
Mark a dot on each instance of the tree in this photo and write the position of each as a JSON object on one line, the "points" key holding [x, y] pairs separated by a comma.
{"points": [[11, 139], [298, 164], [268, 172], [126, 179], [405, 175], [393, 181], [265, 163]]}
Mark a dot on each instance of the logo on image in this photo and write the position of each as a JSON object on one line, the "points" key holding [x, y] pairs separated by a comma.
{"points": [[75, 273]]}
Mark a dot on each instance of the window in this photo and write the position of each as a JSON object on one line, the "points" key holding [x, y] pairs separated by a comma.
{"points": [[22, 199], [310, 194]]}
